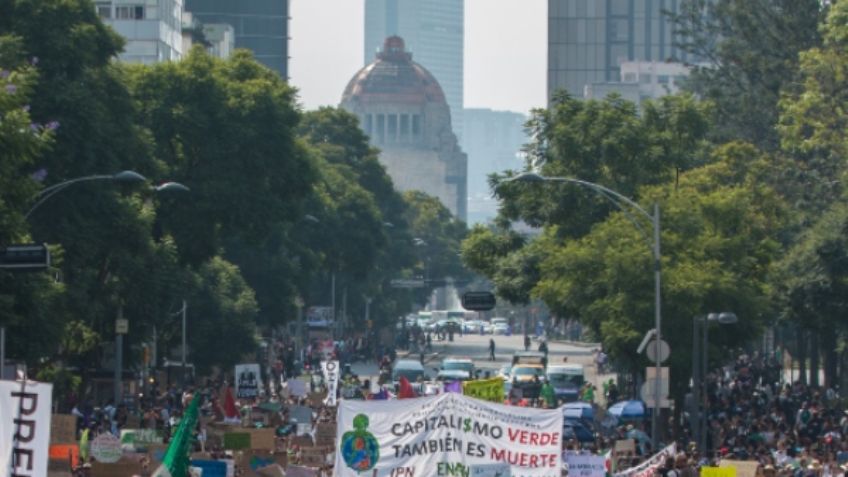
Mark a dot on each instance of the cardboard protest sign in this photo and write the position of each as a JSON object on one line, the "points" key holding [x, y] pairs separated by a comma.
{"points": [[120, 468], [744, 468], [718, 471], [300, 471], [314, 456], [263, 439], [63, 428], [106, 449], [325, 433], [137, 438], [486, 389], [581, 465], [28, 402], [296, 387], [237, 440], [248, 381], [300, 415], [317, 399], [416, 436], [623, 446]]}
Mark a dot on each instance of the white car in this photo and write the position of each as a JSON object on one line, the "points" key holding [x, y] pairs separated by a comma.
{"points": [[500, 328]]}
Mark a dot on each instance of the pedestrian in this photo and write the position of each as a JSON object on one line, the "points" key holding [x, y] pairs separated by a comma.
{"points": [[548, 395], [543, 348], [526, 342], [491, 349]]}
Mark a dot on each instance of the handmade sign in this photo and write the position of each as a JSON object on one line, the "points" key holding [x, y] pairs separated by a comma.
{"points": [[447, 434], [486, 389], [331, 377], [718, 471], [106, 449], [63, 428], [28, 403], [248, 381], [744, 468], [581, 465]]}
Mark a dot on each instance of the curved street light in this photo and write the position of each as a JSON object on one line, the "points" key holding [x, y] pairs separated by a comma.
{"points": [[126, 176], [620, 201]]}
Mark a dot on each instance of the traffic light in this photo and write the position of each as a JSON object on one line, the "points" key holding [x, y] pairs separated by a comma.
{"points": [[23, 258], [478, 301]]}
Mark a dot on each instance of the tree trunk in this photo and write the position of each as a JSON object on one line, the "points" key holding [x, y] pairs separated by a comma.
{"points": [[815, 355], [830, 358], [802, 355]]}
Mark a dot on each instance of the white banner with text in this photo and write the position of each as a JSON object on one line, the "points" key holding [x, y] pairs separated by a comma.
{"points": [[25, 428], [447, 434]]}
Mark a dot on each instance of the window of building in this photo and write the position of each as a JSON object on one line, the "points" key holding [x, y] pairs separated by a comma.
{"points": [[416, 125], [381, 128], [393, 123], [129, 12], [645, 78], [104, 10], [369, 126], [404, 126], [629, 77], [662, 79]]}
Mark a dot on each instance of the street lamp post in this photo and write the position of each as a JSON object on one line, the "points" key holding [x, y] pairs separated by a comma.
{"points": [[699, 424], [620, 201], [126, 176]]}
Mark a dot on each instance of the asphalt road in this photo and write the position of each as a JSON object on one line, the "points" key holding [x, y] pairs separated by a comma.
{"points": [[476, 347]]}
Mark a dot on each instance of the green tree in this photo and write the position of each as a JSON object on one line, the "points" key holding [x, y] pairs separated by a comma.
{"points": [[750, 49]]}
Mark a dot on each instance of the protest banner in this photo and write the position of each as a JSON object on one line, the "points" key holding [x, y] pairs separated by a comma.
{"points": [[248, 381], [647, 468], [744, 468], [490, 470], [106, 448], [718, 471], [486, 389], [331, 378], [582, 465], [28, 403], [63, 428], [300, 471], [447, 434]]}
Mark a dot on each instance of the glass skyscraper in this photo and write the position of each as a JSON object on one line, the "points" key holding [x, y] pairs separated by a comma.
{"points": [[433, 31], [589, 39], [261, 26]]}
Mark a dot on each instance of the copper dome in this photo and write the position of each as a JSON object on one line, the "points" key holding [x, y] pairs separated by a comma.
{"points": [[394, 77]]}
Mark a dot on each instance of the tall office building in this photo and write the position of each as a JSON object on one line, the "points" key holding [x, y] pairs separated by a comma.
{"points": [[588, 40], [492, 140], [261, 26], [433, 31], [152, 28]]}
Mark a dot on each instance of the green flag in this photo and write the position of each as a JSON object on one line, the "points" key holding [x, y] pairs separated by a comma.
{"points": [[175, 463]]}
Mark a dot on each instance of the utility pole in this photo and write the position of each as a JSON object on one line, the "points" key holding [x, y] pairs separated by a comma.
{"points": [[184, 349], [121, 328]]}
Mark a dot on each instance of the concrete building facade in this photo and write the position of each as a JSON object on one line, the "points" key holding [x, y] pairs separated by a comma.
{"points": [[261, 26], [152, 28], [588, 40], [433, 31], [403, 110], [641, 80]]}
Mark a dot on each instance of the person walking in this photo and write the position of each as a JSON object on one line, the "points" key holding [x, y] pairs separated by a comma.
{"points": [[491, 349], [526, 342]]}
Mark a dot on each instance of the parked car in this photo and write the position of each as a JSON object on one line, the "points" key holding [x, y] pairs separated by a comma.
{"points": [[411, 369], [462, 365], [500, 329], [566, 379], [528, 378]]}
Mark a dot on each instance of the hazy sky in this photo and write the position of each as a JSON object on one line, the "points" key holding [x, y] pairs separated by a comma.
{"points": [[505, 51]]}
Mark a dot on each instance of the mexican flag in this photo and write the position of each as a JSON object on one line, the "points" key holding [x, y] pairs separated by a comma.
{"points": [[609, 463], [175, 463]]}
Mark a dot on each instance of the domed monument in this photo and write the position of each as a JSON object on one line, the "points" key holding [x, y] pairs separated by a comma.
{"points": [[402, 109]]}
